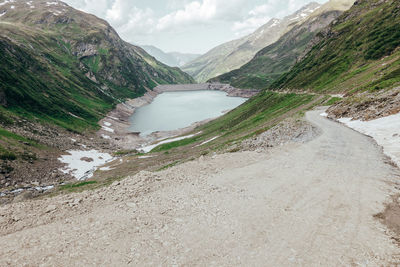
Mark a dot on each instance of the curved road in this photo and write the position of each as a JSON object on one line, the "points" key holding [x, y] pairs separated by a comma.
{"points": [[297, 205]]}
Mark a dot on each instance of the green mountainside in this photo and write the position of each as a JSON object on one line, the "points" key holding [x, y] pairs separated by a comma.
{"points": [[68, 67], [276, 59], [358, 52]]}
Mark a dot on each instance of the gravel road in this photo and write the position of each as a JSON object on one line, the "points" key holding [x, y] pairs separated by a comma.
{"points": [[309, 204]]}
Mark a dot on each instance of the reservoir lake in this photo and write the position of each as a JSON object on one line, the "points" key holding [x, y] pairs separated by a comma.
{"points": [[174, 110]]}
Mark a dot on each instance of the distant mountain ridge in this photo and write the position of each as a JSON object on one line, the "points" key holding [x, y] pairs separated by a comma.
{"points": [[67, 67], [236, 53], [173, 59], [274, 60]]}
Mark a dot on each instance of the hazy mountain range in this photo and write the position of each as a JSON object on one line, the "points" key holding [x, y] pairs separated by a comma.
{"points": [[173, 59], [236, 53]]}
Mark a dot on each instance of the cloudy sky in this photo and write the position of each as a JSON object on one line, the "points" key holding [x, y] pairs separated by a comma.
{"points": [[190, 26]]}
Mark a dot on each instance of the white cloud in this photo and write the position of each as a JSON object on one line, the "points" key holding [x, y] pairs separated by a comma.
{"points": [[205, 12], [193, 12], [261, 14], [130, 20], [151, 22], [256, 17]]}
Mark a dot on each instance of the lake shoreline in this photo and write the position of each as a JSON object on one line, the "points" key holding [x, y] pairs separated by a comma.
{"points": [[115, 126]]}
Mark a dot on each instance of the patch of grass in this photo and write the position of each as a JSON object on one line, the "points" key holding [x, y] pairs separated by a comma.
{"points": [[5, 118], [4, 134], [179, 143], [125, 152], [168, 166], [8, 156], [74, 186], [333, 101], [92, 63]]}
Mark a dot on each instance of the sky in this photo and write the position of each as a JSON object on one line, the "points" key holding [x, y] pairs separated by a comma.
{"points": [[187, 26]]}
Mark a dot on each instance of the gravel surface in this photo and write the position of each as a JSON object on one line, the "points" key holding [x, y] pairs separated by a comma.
{"points": [[307, 204], [288, 131]]}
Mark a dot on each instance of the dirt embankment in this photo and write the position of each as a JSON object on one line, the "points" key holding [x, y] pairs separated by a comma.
{"points": [[36, 164], [368, 105]]}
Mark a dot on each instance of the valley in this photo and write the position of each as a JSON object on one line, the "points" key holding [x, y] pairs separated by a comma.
{"points": [[278, 148]]}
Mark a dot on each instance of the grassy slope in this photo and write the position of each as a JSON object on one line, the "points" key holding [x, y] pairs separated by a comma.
{"points": [[358, 53], [50, 92]]}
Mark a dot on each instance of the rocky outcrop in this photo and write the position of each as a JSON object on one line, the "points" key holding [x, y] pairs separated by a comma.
{"points": [[290, 130], [367, 105]]}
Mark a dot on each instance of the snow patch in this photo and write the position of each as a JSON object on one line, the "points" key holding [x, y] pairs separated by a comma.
{"points": [[12, 7], [105, 136], [113, 118], [6, 2], [44, 188], [104, 169], [338, 95], [275, 22], [73, 140], [106, 123], [2, 14], [147, 149], [51, 3], [385, 131], [145, 157], [81, 169], [208, 141], [324, 114], [105, 128]]}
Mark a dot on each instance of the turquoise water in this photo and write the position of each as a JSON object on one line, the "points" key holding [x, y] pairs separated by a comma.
{"points": [[173, 110]]}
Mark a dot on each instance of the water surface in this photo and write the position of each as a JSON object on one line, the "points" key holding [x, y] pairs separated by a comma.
{"points": [[174, 110]]}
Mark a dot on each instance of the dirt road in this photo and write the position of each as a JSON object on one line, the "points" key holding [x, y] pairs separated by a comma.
{"points": [[300, 204]]}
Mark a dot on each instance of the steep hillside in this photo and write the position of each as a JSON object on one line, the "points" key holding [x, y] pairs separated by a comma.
{"points": [[174, 59], [358, 52], [276, 59], [68, 67], [234, 54]]}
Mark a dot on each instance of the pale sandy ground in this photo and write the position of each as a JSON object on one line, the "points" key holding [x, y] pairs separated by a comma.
{"points": [[297, 205]]}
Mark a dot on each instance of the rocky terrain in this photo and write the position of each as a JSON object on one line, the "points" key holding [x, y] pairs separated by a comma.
{"points": [[300, 208], [290, 130], [368, 106]]}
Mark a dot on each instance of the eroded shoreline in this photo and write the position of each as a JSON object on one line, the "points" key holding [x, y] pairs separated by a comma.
{"points": [[115, 126]]}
